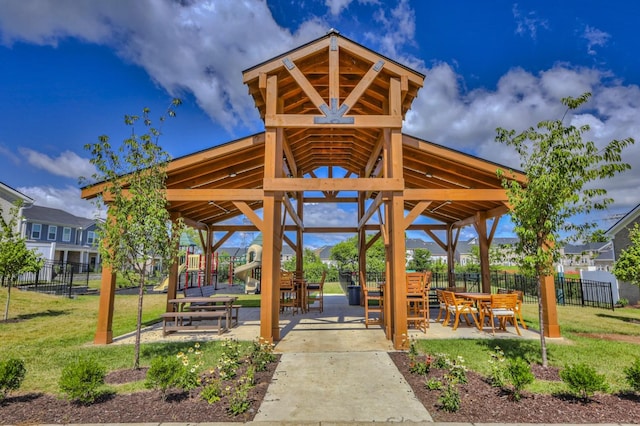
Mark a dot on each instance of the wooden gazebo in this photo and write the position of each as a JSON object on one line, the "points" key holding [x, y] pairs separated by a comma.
{"points": [[333, 113]]}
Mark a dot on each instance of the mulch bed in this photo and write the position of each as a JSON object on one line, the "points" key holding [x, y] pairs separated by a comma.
{"points": [[137, 407], [482, 403]]}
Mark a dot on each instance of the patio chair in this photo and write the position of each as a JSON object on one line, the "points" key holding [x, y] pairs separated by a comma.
{"points": [[315, 292], [442, 305], [288, 293], [373, 303], [459, 307], [417, 300], [502, 308]]}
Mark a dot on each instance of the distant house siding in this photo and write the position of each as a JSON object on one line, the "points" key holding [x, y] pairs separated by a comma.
{"points": [[620, 242]]}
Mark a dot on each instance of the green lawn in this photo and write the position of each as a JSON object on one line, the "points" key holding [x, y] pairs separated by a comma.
{"points": [[48, 331], [579, 343]]}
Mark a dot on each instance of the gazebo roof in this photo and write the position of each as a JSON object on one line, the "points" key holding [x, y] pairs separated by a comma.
{"points": [[312, 80]]}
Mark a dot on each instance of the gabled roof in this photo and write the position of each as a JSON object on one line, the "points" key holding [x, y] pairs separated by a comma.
{"points": [[11, 195], [52, 216], [624, 222], [310, 81]]}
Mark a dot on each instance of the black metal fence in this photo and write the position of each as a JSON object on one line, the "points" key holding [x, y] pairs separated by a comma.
{"points": [[59, 278], [569, 291]]}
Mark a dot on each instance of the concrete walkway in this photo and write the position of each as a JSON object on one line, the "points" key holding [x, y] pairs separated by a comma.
{"points": [[332, 369]]}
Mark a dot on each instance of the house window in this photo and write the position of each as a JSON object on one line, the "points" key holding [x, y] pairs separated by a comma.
{"points": [[36, 228], [53, 231], [91, 236], [66, 234]]}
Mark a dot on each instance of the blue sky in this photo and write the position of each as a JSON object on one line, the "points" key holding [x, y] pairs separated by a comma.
{"points": [[71, 69]]}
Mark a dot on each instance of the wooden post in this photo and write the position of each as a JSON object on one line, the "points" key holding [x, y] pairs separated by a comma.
{"points": [[549, 308], [104, 330], [483, 252]]}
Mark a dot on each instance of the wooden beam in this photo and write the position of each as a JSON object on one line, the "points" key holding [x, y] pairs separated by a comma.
{"points": [[301, 184], [250, 214], [222, 240], [462, 194], [304, 83], [363, 85], [290, 243], [289, 207], [175, 195], [415, 212], [371, 210], [307, 120], [334, 68]]}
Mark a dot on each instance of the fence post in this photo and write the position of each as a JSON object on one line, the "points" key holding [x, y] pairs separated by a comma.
{"points": [[70, 281]]}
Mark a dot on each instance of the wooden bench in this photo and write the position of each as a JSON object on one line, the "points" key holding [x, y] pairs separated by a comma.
{"points": [[235, 311], [204, 291], [176, 321]]}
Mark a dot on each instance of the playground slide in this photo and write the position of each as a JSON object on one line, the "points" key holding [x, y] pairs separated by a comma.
{"points": [[165, 284], [243, 272]]}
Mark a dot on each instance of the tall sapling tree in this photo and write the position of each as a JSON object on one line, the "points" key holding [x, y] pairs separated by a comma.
{"points": [[562, 173], [138, 231]]}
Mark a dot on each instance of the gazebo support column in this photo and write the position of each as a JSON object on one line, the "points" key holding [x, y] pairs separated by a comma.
{"points": [[104, 330], [483, 252], [549, 308]]}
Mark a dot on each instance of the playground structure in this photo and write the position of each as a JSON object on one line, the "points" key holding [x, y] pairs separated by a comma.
{"points": [[191, 272], [246, 272]]}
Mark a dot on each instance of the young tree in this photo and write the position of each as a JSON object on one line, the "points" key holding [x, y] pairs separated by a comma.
{"points": [[562, 173], [15, 258], [312, 265], [138, 230], [627, 267], [421, 260]]}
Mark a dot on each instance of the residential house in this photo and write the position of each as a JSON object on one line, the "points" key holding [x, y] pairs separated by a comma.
{"points": [[500, 252], [589, 257], [8, 197], [438, 254], [61, 237], [619, 234]]}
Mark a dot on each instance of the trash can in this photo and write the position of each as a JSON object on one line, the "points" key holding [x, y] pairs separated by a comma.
{"points": [[354, 294]]}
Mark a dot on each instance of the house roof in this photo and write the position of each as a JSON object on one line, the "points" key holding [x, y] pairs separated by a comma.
{"points": [[10, 194], [624, 222], [55, 217]]}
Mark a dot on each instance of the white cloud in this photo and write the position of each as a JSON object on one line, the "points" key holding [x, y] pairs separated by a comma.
{"points": [[444, 113], [595, 38], [67, 199], [200, 47], [67, 164], [528, 23]]}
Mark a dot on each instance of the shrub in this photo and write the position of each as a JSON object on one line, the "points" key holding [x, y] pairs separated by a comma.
{"points": [[164, 373], [12, 373], [433, 384], [239, 398], [583, 380], [520, 375], [82, 380], [632, 374], [261, 354], [450, 398], [212, 391], [497, 376]]}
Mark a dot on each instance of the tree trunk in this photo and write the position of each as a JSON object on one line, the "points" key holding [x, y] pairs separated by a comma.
{"points": [[6, 308], [136, 362], [543, 342]]}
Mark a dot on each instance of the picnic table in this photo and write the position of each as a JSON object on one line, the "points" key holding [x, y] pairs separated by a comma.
{"points": [[201, 313]]}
